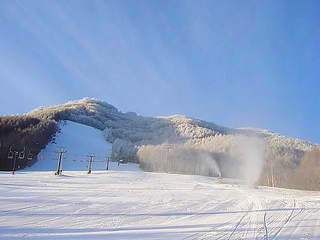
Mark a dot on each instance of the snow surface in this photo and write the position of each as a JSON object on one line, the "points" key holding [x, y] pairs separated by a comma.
{"points": [[132, 204], [126, 203], [79, 141]]}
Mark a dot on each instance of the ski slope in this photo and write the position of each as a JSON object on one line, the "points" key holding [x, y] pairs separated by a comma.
{"points": [[131, 204], [78, 140], [126, 203]]}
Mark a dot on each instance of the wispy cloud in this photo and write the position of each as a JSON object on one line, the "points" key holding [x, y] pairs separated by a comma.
{"points": [[224, 61]]}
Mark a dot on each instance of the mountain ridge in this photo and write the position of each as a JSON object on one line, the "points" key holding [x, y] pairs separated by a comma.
{"points": [[192, 145], [95, 106], [135, 130]]}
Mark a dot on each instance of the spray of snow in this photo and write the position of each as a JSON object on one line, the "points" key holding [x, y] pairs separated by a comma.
{"points": [[211, 163], [251, 153]]}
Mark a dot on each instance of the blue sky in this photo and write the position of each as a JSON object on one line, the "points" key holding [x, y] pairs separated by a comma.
{"points": [[235, 63]]}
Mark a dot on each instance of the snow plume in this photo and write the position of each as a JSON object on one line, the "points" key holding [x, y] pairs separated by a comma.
{"points": [[210, 162], [251, 151]]}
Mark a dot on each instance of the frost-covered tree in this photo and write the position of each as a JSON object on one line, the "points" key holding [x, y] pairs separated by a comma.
{"points": [[148, 133], [177, 129], [123, 150]]}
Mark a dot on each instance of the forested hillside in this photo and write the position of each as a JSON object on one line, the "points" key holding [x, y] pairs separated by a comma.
{"points": [[174, 143], [21, 139]]}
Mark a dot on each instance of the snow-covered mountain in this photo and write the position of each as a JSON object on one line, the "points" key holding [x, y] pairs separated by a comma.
{"points": [[176, 129]]}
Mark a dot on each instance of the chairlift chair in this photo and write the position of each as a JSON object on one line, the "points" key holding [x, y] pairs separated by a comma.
{"points": [[10, 153], [29, 155], [21, 154]]}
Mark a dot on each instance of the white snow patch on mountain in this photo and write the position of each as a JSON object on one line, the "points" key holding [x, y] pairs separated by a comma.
{"points": [[78, 140]]}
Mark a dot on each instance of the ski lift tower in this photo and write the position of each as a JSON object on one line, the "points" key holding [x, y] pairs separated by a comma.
{"points": [[168, 147]]}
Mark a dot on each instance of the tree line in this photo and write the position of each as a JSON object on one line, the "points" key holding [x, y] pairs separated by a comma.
{"points": [[26, 135], [303, 174], [275, 160]]}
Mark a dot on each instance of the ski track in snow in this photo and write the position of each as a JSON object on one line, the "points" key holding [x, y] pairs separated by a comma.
{"points": [[126, 203], [137, 205]]}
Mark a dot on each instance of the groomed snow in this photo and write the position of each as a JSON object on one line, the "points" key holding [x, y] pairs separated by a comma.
{"points": [[126, 203], [131, 204], [78, 140]]}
